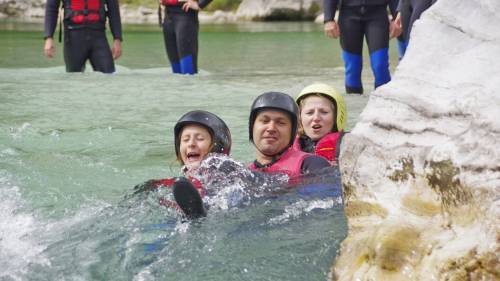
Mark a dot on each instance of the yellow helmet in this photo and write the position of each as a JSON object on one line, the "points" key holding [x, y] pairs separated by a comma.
{"points": [[331, 93]]}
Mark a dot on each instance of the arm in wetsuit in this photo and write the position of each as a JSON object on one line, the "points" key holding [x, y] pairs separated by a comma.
{"points": [[115, 24], [51, 14], [329, 9]]}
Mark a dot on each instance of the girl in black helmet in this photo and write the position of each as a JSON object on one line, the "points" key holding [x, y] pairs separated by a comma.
{"points": [[196, 134]]}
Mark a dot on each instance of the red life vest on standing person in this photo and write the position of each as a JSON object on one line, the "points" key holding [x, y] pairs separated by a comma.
{"points": [[79, 13], [326, 146], [170, 2], [290, 163]]}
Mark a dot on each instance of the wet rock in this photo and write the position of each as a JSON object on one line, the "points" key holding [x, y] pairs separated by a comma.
{"points": [[421, 169]]}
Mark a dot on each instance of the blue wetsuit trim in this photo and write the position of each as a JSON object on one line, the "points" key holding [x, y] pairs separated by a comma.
{"points": [[187, 65], [353, 66], [176, 67], [380, 66]]}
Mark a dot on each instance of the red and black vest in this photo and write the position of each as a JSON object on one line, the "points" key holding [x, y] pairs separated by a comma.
{"points": [[326, 146], [168, 183], [85, 13], [171, 2], [290, 163]]}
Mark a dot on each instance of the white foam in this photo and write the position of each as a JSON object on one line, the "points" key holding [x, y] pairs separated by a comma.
{"points": [[18, 246]]}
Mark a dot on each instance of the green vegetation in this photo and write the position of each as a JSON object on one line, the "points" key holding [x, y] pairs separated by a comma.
{"points": [[225, 5]]}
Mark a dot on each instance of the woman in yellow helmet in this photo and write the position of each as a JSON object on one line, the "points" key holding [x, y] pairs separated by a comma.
{"points": [[322, 118]]}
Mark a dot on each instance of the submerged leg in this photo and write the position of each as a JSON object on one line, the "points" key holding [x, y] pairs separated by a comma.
{"points": [[188, 198]]}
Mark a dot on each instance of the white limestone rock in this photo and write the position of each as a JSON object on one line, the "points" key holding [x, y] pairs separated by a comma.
{"points": [[421, 169], [262, 9]]}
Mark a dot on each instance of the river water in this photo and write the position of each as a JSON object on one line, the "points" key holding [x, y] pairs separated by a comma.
{"points": [[72, 146]]}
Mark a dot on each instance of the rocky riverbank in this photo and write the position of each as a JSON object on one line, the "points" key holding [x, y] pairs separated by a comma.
{"points": [[248, 10]]}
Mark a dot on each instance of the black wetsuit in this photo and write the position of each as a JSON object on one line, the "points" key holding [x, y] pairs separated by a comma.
{"points": [[85, 41], [359, 19], [410, 10], [180, 33]]}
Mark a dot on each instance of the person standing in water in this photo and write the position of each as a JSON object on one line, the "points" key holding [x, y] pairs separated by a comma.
{"points": [[322, 118], [84, 33], [359, 19], [409, 12], [272, 130], [180, 33], [196, 134]]}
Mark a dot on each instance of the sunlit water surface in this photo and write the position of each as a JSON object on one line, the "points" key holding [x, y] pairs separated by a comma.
{"points": [[72, 146]]}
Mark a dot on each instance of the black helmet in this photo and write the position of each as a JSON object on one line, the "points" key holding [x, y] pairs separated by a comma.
{"points": [[221, 136], [277, 101]]}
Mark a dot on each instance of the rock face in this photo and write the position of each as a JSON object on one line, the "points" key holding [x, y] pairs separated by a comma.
{"points": [[279, 9], [22, 8], [421, 169], [248, 10]]}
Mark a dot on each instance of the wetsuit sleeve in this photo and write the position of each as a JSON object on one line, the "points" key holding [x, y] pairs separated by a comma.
{"points": [[51, 14], [329, 9], [115, 22], [204, 3], [313, 163], [394, 8]]}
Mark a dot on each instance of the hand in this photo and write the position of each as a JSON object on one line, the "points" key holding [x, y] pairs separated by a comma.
{"points": [[332, 29], [396, 27], [190, 4], [116, 50], [49, 49]]}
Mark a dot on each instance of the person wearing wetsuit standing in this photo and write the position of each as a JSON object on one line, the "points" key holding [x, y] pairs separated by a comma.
{"points": [[359, 19], [180, 33], [409, 12], [84, 33]]}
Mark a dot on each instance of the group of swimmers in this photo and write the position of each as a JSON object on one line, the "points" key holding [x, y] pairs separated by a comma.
{"points": [[85, 38], [291, 137]]}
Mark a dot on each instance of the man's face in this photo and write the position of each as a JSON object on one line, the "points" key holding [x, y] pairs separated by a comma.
{"points": [[271, 132]]}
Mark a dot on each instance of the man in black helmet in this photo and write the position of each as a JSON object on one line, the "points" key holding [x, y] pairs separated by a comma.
{"points": [[272, 129]]}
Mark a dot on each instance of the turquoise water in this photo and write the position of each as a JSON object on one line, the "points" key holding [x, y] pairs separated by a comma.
{"points": [[72, 146]]}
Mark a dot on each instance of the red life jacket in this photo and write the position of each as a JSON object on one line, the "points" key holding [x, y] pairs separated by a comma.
{"points": [[84, 12], [168, 182], [290, 163], [170, 2], [326, 146]]}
